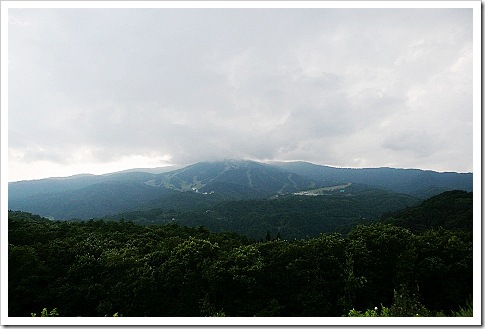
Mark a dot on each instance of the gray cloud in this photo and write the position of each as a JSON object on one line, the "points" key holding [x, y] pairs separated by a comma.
{"points": [[346, 87]]}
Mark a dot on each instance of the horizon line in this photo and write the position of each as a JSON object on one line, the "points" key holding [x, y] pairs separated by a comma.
{"points": [[180, 166]]}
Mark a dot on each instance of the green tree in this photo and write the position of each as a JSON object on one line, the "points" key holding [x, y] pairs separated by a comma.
{"points": [[46, 313], [379, 253], [184, 276]]}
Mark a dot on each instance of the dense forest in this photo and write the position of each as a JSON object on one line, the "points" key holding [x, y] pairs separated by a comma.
{"points": [[99, 268], [289, 216]]}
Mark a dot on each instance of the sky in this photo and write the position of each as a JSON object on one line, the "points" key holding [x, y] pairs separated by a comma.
{"points": [[102, 90]]}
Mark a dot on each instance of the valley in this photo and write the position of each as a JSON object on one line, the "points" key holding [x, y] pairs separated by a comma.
{"points": [[241, 238], [401, 263]]}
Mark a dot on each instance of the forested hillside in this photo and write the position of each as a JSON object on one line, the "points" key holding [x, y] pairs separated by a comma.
{"points": [[99, 268], [449, 210], [288, 217], [416, 182], [206, 184]]}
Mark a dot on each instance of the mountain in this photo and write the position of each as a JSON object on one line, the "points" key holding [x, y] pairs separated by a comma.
{"points": [[190, 188], [240, 179], [206, 184], [29, 188], [99, 199], [451, 210], [416, 182]]}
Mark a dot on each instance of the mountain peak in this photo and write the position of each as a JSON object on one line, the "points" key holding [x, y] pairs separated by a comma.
{"points": [[230, 179]]}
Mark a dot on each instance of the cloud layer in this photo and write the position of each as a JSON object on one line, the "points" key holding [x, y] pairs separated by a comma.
{"points": [[343, 87]]}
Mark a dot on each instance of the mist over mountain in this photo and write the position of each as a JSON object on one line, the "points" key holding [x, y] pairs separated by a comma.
{"points": [[205, 184]]}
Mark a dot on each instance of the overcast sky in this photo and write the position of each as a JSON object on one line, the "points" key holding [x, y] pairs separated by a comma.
{"points": [[101, 90]]}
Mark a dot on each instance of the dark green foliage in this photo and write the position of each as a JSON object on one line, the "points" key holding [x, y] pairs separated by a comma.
{"points": [[450, 210], [99, 268], [381, 256], [406, 304], [444, 254], [465, 311], [46, 313], [289, 216]]}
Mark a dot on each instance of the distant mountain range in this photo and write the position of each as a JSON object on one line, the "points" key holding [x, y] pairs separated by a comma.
{"points": [[206, 184], [416, 182]]}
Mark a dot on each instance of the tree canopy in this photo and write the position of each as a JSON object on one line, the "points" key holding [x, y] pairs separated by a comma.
{"points": [[98, 268]]}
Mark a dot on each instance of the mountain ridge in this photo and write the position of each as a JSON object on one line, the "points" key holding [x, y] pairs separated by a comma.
{"points": [[216, 181], [418, 182]]}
